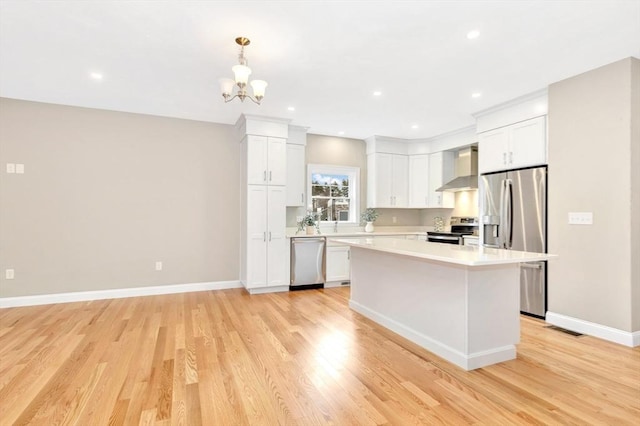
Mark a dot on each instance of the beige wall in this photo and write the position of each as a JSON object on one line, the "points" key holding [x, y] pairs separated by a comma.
{"points": [[106, 194], [591, 160], [635, 194]]}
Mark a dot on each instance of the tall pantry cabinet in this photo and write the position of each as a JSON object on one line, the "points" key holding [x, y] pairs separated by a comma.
{"points": [[263, 246]]}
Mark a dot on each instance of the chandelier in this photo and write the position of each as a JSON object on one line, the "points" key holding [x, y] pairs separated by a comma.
{"points": [[241, 74]]}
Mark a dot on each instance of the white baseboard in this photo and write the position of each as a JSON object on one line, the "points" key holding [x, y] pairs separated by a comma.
{"points": [[83, 296], [631, 339], [462, 360], [263, 290]]}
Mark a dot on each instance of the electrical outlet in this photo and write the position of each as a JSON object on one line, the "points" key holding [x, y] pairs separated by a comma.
{"points": [[581, 218], [20, 169], [158, 266], [11, 168], [9, 274]]}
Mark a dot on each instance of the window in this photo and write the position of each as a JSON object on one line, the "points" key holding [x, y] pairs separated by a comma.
{"points": [[334, 192]]}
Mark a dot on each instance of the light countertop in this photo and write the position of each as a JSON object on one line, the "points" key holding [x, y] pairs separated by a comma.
{"points": [[358, 232], [449, 253]]}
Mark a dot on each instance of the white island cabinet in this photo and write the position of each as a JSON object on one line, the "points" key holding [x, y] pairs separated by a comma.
{"points": [[461, 303]]}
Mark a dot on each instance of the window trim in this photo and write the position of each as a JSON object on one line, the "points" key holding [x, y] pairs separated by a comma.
{"points": [[354, 188]]}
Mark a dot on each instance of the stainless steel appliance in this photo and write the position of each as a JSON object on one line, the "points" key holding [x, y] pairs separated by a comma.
{"points": [[513, 216], [460, 226], [308, 264]]}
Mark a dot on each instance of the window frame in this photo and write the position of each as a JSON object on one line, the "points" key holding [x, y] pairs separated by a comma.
{"points": [[354, 188]]}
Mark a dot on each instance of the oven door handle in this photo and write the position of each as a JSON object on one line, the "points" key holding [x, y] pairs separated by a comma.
{"points": [[442, 238]]}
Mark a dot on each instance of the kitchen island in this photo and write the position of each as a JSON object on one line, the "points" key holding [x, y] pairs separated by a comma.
{"points": [[459, 302]]}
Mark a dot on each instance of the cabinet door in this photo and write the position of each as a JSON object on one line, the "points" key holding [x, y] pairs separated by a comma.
{"points": [[400, 180], [440, 167], [338, 263], [419, 180], [295, 175], [492, 150], [256, 256], [379, 169], [527, 144], [277, 161], [256, 160], [276, 239]]}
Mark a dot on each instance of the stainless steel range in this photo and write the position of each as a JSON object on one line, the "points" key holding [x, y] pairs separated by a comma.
{"points": [[460, 226]]}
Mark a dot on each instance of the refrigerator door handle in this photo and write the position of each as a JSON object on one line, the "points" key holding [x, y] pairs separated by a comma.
{"points": [[502, 223], [509, 213]]}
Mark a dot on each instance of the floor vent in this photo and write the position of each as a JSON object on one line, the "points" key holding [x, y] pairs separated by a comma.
{"points": [[564, 330]]}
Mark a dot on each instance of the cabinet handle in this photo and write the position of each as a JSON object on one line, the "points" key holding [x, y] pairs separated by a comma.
{"points": [[269, 235], [348, 254], [264, 176], [439, 199], [504, 158], [510, 157], [264, 237], [302, 198], [270, 175]]}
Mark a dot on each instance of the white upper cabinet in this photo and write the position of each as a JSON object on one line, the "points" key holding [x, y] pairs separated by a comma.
{"points": [[266, 160], [518, 145], [440, 171], [295, 175], [419, 181], [387, 176]]}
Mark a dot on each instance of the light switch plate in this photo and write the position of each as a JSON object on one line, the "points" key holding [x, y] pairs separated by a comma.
{"points": [[20, 168], [9, 274], [580, 218], [11, 168], [158, 266]]}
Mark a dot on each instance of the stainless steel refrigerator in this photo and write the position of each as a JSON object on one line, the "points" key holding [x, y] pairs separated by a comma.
{"points": [[513, 216]]}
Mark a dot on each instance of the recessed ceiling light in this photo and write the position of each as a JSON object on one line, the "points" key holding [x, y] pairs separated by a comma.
{"points": [[415, 126], [291, 109], [473, 34], [341, 132], [377, 93], [476, 95], [95, 76]]}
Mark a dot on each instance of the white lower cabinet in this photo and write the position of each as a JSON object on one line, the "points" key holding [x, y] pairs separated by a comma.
{"points": [[266, 243], [338, 263]]}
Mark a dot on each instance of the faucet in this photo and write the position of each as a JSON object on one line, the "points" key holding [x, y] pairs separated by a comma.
{"points": [[335, 227]]}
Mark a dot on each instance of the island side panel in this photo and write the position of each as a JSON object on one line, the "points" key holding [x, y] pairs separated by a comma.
{"points": [[493, 314], [421, 300]]}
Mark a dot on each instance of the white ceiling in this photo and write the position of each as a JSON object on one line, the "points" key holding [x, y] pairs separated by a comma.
{"points": [[325, 58]]}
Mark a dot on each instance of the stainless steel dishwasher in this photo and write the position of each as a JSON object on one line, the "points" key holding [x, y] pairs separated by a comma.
{"points": [[308, 264]]}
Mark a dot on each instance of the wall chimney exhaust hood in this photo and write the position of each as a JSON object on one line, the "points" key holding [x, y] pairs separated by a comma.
{"points": [[466, 171]]}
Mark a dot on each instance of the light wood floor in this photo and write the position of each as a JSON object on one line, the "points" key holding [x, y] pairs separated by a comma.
{"points": [[227, 358]]}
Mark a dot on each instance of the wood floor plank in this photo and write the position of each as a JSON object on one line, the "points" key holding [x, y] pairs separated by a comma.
{"points": [[229, 358]]}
